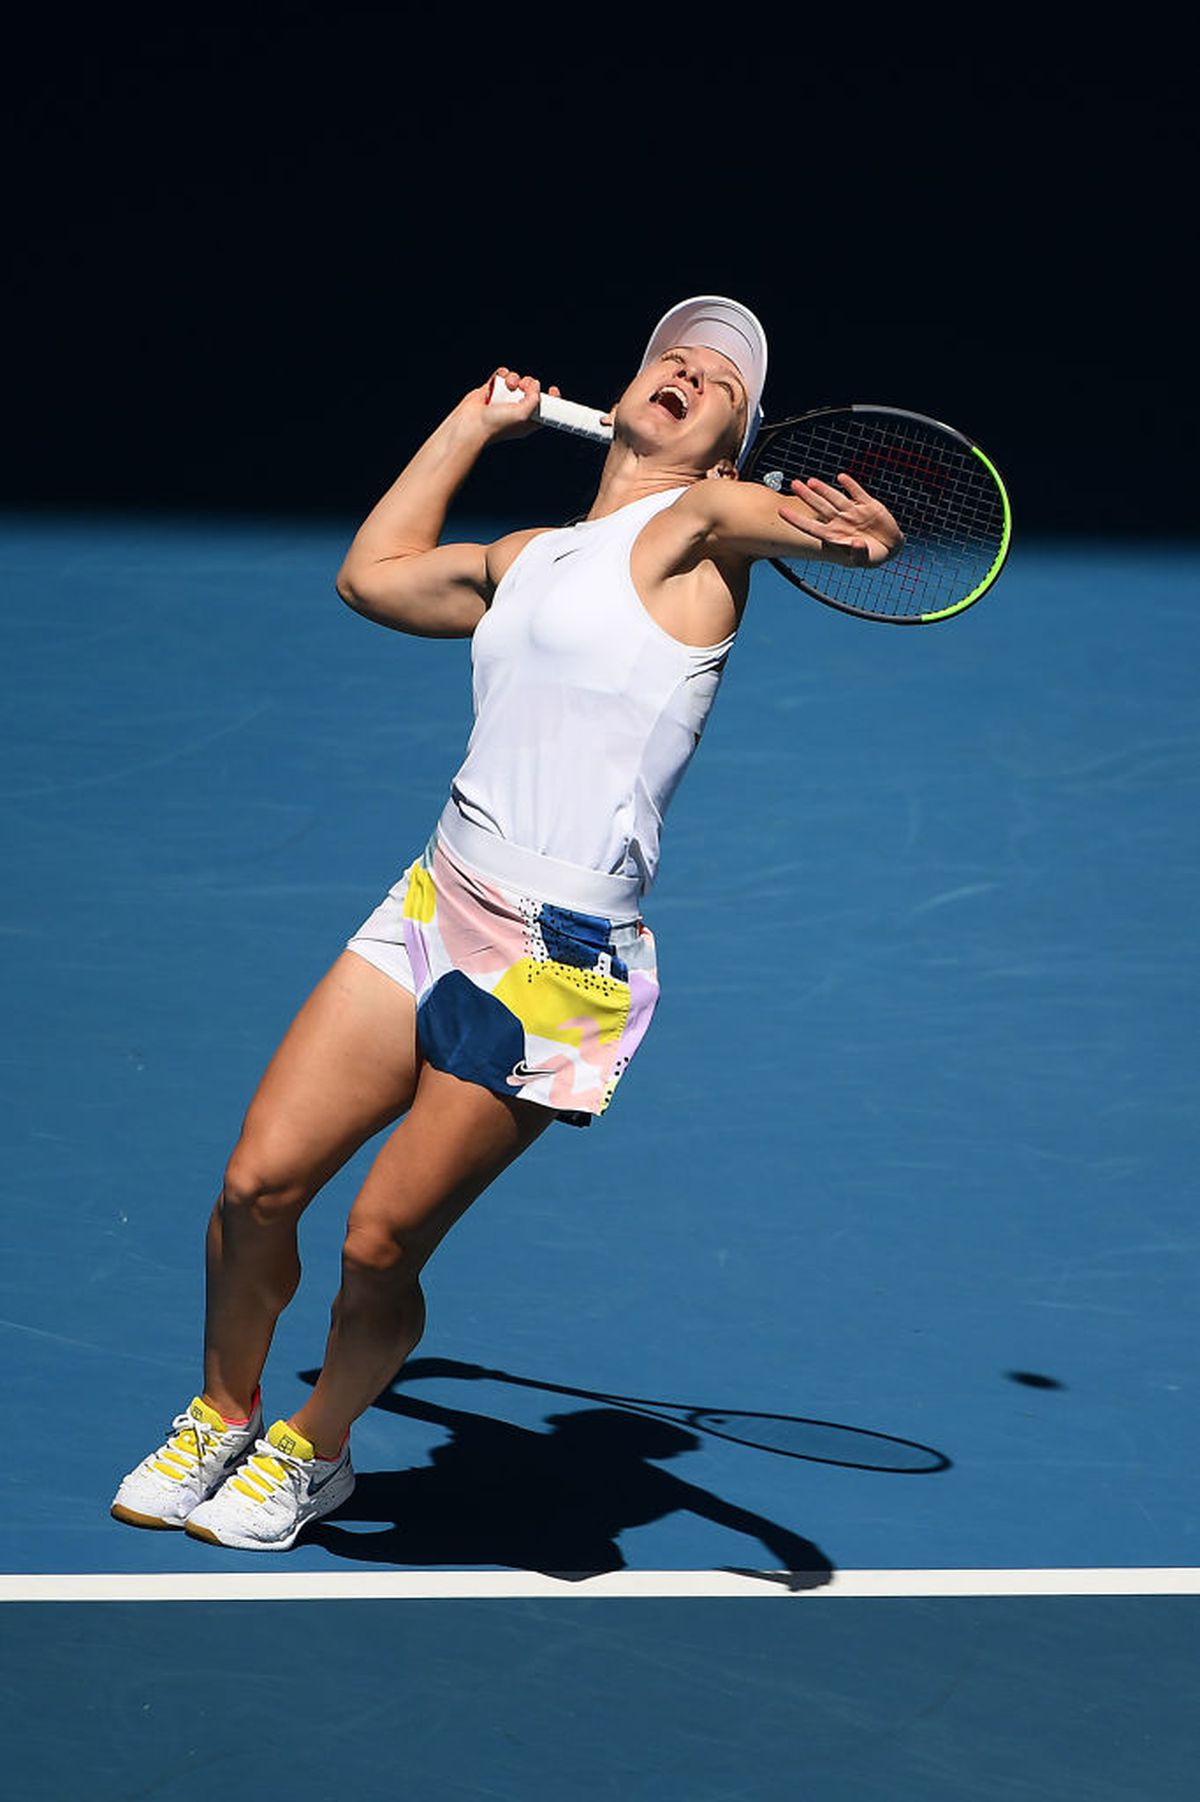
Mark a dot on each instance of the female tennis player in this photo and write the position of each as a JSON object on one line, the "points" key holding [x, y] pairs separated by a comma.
{"points": [[508, 977]]}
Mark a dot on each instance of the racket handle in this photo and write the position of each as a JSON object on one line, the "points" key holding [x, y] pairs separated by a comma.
{"points": [[563, 415]]}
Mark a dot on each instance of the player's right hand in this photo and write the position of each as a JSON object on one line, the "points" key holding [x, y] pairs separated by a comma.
{"points": [[518, 417]]}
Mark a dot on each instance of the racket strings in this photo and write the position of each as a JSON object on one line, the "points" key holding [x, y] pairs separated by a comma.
{"points": [[940, 492]]}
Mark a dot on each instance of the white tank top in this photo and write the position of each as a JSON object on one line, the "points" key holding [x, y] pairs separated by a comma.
{"points": [[586, 711]]}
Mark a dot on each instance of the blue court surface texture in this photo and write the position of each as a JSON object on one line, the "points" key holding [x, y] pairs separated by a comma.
{"points": [[907, 1159]]}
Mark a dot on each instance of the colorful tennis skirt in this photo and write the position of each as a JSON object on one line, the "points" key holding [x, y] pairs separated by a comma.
{"points": [[520, 994]]}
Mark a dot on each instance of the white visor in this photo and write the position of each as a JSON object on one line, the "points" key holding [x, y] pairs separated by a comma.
{"points": [[726, 326]]}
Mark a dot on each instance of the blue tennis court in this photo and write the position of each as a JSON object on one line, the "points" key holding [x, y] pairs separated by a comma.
{"points": [[915, 1170]]}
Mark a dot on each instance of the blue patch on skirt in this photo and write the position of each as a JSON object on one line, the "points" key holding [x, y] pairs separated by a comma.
{"points": [[466, 1032], [578, 939]]}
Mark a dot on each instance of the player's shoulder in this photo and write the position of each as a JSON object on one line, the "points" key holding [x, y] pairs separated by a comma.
{"points": [[503, 552], [716, 511], [716, 497]]}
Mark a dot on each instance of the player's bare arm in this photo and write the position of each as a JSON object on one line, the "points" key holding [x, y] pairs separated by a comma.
{"points": [[395, 571], [813, 520], [692, 562]]}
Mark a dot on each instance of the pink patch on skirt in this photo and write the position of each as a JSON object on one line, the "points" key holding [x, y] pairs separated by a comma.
{"points": [[476, 921]]}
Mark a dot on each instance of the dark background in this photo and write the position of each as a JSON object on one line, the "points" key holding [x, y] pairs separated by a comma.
{"points": [[255, 263]]}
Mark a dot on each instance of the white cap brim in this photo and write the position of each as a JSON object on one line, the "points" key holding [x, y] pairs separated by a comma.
{"points": [[722, 325]]}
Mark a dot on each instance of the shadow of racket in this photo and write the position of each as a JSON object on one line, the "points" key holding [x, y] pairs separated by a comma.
{"points": [[785, 1435]]}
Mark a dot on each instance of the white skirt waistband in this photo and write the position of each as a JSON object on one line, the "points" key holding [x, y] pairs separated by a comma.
{"points": [[615, 898]]}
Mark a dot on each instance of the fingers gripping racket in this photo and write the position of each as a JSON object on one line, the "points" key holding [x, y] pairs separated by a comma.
{"points": [[563, 415], [947, 497]]}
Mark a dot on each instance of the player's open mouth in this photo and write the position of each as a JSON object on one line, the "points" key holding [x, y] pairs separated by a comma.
{"points": [[673, 399]]}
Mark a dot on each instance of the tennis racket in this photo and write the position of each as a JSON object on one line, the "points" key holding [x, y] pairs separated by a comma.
{"points": [[787, 1435], [947, 497]]}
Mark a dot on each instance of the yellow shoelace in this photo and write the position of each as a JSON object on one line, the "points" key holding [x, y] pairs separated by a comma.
{"points": [[266, 1472], [185, 1451]]}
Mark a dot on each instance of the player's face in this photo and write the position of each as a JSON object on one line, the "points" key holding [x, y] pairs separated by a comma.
{"points": [[690, 402]]}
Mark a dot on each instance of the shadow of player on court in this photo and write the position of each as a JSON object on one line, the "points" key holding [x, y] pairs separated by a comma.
{"points": [[555, 1502]]}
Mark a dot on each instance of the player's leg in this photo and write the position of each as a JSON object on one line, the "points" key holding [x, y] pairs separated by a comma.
{"points": [[346, 1068], [455, 1140]]}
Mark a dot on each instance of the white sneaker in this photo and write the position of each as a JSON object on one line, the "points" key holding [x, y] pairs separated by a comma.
{"points": [[265, 1506], [195, 1461]]}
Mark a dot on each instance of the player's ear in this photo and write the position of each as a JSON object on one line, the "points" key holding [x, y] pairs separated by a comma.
{"points": [[724, 471]]}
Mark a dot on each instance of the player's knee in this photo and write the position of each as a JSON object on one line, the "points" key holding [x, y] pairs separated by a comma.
{"points": [[254, 1192], [373, 1249]]}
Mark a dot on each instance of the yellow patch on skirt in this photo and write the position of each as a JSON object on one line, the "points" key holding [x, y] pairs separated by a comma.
{"points": [[420, 899], [555, 1000]]}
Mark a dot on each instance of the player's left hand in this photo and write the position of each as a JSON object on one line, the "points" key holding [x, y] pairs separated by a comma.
{"points": [[854, 527]]}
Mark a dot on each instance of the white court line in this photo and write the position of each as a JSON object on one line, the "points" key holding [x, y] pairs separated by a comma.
{"points": [[338, 1586]]}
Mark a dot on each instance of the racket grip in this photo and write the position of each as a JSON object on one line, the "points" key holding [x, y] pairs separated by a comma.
{"points": [[563, 415]]}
